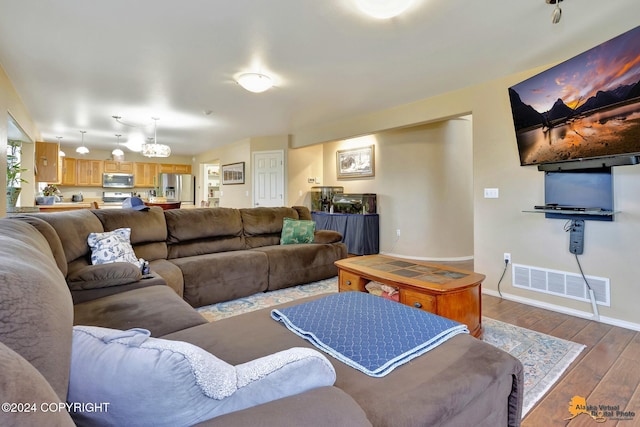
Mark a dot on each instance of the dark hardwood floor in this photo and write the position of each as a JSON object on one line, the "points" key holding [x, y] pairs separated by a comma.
{"points": [[607, 372]]}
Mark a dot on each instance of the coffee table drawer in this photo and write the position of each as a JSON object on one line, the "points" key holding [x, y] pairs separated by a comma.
{"points": [[351, 282], [418, 300]]}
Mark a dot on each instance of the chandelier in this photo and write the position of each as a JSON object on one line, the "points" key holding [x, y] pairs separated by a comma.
{"points": [[154, 149]]}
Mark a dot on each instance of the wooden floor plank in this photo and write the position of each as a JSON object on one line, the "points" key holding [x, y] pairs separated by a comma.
{"points": [[607, 368]]}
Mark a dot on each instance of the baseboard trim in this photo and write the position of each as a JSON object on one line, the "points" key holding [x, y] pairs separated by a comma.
{"points": [[565, 310], [417, 258]]}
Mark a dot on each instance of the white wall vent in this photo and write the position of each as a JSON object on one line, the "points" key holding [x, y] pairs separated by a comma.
{"points": [[560, 283]]}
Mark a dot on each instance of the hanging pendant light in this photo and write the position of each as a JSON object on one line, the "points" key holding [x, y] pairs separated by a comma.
{"points": [[60, 152], [155, 149], [117, 153], [82, 149]]}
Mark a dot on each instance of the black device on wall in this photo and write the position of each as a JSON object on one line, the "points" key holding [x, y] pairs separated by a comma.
{"points": [[576, 237], [579, 190], [583, 112]]}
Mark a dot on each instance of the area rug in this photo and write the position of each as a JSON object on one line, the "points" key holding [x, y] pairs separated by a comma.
{"points": [[545, 358]]}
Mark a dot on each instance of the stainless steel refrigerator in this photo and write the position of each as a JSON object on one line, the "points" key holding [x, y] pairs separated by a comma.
{"points": [[178, 187]]}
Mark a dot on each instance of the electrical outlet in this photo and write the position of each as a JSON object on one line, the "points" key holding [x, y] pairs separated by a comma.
{"points": [[398, 232], [507, 258]]}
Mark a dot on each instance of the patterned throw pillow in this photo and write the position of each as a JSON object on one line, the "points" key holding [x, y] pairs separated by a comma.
{"points": [[297, 231], [112, 246]]}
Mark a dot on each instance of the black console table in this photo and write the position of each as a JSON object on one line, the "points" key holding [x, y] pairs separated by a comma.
{"points": [[361, 233]]}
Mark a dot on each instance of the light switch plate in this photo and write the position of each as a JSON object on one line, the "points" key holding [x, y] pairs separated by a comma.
{"points": [[491, 193]]}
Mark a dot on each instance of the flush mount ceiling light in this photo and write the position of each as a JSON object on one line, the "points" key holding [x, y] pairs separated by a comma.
{"points": [[82, 149], [383, 9], [60, 152], [154, 149], [255, 82], [557, 12], [117, 153]]}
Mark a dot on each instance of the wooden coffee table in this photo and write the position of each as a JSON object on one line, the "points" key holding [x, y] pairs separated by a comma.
{"points": [[439, 289]]}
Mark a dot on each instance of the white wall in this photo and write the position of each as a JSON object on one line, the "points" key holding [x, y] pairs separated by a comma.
{"points": [[423, 182]]}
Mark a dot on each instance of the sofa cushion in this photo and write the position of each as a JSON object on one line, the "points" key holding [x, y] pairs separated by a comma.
{"points": [[147, 308], [203, 231], [170, 273], [104, 275], [464, 372], [73, 227], [291, 265], [327, 236], [84, 295], [112, 246], [35, 303], [21, 383], [263, 226], [303, 212], [223, 276], [172, 383], [322, 406], [148, 229], [297, 231], [52, 237]]}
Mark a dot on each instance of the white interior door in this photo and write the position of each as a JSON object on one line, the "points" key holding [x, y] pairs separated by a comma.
{"points": [[268, 178]]}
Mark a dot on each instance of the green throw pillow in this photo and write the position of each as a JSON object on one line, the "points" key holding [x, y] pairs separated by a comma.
{"points": [[297, 231]]}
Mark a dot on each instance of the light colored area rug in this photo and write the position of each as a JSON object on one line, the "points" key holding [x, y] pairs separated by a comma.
{"points": [[545, 358]]}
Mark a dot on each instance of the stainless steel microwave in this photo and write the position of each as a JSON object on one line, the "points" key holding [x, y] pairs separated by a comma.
{"points": [[117, 180]]}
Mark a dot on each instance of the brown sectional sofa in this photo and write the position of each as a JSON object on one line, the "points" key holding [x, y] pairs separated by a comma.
{"points": [[462, 382]]}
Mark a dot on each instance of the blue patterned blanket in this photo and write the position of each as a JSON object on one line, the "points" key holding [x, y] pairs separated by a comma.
{"points": [[367, 332]]}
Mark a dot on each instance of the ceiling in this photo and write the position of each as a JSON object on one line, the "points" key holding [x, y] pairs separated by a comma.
{"points": [[77, 63]]}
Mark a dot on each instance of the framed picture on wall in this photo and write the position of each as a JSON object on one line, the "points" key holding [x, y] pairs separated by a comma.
{"points": [[355, 162], [233, 173]]}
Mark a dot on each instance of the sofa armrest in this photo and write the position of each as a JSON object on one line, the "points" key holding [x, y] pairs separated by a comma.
{"points": [[327, 236]]}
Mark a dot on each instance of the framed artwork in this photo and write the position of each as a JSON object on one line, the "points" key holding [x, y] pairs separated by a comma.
{"points": [[233, 173], [355, 162]]}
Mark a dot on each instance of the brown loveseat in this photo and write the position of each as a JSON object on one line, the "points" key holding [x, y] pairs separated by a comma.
{"points": [[462, 382]]}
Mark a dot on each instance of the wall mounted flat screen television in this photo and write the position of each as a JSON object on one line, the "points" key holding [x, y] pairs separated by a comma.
{"points": [[584, 112]]}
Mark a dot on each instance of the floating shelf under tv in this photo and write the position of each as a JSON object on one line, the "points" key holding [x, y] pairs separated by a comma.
{"points": [[571, 212], [590, 163]]}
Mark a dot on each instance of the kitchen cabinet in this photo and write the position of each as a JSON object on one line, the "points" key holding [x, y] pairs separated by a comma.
{"points": [[47, 161], [145, 174], [67, 171], [172, 168], [118, 167], [89, 172]]}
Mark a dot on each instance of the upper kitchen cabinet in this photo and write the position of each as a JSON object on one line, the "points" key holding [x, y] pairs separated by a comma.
{"points": [[145, 174], [113, 166], [89, 172], [47, 161], [167, 168], [68, 171]]}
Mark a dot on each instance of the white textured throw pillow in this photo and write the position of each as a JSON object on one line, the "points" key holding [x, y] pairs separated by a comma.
{"points": [[112, 246], [155, 382]]}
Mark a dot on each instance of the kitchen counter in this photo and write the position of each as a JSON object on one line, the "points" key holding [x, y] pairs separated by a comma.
{"points": [[65, 206]]}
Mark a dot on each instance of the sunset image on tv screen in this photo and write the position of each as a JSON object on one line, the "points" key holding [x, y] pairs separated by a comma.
{"points": [[585, 107]]}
